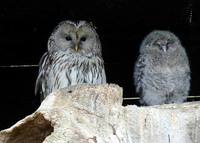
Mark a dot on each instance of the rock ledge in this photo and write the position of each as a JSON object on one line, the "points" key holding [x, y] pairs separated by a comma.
{"points": [[94, 114]]}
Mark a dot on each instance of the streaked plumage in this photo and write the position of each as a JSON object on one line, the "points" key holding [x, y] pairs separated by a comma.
{"points": [[73, 57], [162, 71]]}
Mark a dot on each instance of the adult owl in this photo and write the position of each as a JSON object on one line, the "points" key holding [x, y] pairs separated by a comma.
{"points": [[74, 57], [162, 71]]}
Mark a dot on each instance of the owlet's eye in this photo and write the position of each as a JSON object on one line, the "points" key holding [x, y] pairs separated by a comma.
{"points": [[68, 38], [156, 44], [83, 39], [170, 43]]}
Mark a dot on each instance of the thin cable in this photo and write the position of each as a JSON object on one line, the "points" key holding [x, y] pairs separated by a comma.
{"points": [[137, 98], [34, 65], [18, 66]]}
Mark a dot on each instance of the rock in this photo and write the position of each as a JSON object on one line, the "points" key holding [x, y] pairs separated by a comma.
{"points": [[94, 114]]}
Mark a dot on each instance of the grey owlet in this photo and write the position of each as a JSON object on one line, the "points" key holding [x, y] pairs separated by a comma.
{"points": [[74, 57], [162, 71]]}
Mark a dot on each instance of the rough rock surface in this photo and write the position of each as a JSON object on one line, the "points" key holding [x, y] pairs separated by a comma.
{"points": [[94, 114]]}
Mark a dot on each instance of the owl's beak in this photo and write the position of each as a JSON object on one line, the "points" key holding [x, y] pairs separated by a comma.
{"points": [[164, 48], [76, 48]]}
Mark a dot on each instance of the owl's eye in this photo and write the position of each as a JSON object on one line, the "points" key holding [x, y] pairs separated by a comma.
{"points": [[68, 38], [156, 44], [83, 39], [170, 43]]}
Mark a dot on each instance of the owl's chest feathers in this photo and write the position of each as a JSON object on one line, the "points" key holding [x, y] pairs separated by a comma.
{"points": [[165, 73], [165, 79], [75, 69], [163, 60], [167, 63]]}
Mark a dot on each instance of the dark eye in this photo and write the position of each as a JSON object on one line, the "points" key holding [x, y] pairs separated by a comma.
{"points": [[170, 43], [68, 38], [83, 39], [156, 44]]}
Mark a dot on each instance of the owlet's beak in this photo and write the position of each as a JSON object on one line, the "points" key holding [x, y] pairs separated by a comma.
{"points": [[164, 48]]}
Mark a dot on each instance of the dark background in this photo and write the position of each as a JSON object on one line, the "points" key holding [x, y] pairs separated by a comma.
{"points": [[122, 24]]}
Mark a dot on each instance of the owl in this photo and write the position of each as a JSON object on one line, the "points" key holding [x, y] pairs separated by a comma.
{"points": [[73, 57], [162, 71]]}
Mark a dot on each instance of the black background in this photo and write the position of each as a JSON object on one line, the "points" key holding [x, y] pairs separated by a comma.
{"points": [[121, 24]]}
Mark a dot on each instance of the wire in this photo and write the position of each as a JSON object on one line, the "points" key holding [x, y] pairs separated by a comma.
{"points": [[18, 66], [35, 65], [137, 98], [132, 98]]}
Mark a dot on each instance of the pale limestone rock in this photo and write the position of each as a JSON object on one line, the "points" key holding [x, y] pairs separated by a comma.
{"points": [[94, 114]]}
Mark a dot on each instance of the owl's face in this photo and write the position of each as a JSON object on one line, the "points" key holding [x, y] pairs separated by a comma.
{"points": [[164, 45], [161, 42], [80, 39]]}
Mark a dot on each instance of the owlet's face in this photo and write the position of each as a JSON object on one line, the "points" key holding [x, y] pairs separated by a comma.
{"points": [[162, 42], [80, 39]]}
